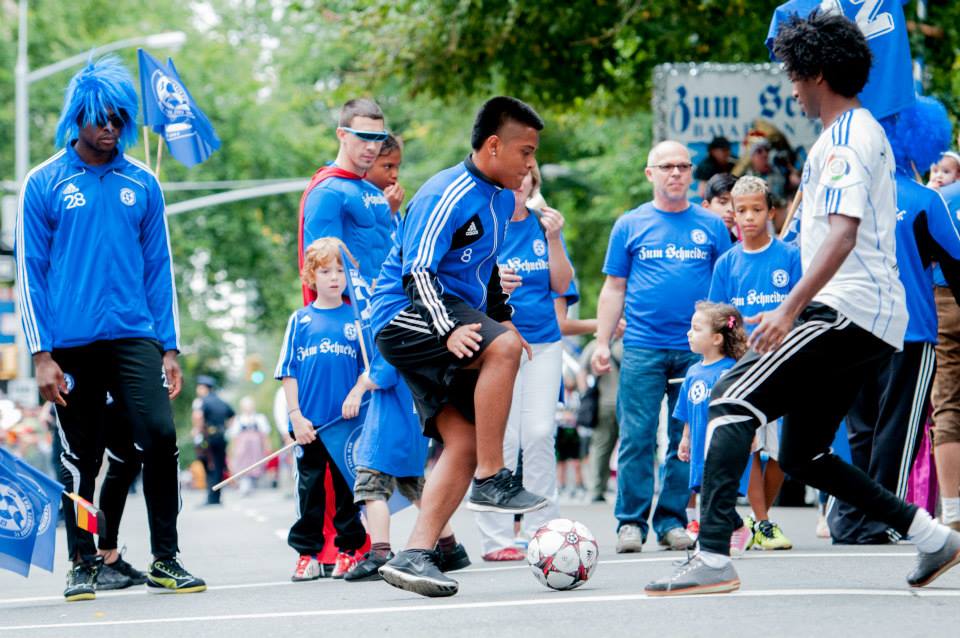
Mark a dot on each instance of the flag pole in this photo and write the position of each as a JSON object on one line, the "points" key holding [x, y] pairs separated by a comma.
{"points": [[791, 213], [156, 169], [146, 146]]}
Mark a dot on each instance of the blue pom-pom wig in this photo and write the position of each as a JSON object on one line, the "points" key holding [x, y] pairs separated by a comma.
{"points": [[100, 87], [919, 134]]}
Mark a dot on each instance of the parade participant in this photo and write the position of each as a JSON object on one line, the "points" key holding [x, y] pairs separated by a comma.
{"points": [[717, 199], [211, 417], [442, 319], [386, 171], [99, 311], [319, 366], [534, 251], [845, 316], [755, 276], [658, 265]]}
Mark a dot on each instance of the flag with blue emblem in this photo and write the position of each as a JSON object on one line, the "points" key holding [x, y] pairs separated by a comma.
{"points": [[890, 86], [359, 292], [172, 112], [50, 490], [26, 514]]}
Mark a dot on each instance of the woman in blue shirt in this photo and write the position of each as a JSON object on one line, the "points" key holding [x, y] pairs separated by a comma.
{"points": [[533, 265]]}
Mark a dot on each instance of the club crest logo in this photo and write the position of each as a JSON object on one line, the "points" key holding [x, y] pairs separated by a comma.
{"points": [[837, 167], [698, 236], [780, 278], [128, 197], [539, 248], [69, 382], [351, 450], [171, 97], [350, 331], [698, 392], [17, 518]]}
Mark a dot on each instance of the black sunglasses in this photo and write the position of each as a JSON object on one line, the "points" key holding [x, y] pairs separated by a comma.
{"points": [[116, 120]]}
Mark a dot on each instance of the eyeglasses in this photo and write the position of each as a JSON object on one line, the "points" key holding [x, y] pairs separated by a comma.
{"points": [[368, 136], [669, 168]]}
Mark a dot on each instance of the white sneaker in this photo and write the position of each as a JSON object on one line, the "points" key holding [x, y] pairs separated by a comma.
{"points": [[629, 539]]}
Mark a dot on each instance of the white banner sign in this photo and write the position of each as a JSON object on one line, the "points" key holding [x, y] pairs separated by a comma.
{"points": [[693, 103]]}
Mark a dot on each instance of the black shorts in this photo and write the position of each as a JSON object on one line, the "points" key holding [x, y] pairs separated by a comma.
{"points": [[568, 444], [434, 375]]}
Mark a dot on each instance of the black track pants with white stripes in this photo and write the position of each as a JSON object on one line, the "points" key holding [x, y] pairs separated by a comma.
{"points": [[885, 427], [811, 380]]}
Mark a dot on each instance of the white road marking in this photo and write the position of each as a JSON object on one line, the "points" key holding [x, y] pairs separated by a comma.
{"points": [[560, 599], [668, 557]]}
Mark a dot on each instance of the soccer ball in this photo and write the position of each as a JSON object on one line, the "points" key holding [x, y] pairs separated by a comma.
{"points": [[562, 554]]}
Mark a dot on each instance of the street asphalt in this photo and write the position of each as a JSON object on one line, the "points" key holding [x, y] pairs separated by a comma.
{"points": [[816, 589]]}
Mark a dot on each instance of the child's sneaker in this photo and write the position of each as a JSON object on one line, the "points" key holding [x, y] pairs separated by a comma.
{"points": [[741, 540], [693, 530], [307, 569], [345, 562], [768, 536]]}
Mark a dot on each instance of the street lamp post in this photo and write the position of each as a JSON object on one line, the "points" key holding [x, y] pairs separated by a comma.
{"points": [[23, 77]]}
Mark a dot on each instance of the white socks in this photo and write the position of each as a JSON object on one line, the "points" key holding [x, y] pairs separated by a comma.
{"points": [[718, 561], [694, 515], [927, 534], [951, 509]]}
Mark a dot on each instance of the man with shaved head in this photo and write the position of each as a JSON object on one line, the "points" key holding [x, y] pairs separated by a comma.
{"points": [[658, 265]]}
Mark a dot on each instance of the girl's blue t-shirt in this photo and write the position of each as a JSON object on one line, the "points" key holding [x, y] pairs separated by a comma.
{"points": [[693, 408]]}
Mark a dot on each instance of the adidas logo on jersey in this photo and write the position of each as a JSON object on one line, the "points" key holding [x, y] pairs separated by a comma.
{"points": [[70, 189], [472, 230]]}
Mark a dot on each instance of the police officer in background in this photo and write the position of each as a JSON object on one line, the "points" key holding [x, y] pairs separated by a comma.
{"points": [[211, 417]]}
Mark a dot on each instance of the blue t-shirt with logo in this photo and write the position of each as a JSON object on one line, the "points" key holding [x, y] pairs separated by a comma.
{"points": [[756, 281], [693, 407], [320, 350], [525, 250], [392, 441], [667, 260]]}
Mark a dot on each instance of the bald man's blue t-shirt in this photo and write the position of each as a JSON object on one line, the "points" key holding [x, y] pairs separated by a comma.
{"points": [[667, 259]]}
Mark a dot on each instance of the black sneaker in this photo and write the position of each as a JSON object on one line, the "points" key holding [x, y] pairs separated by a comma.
{"points": [[119, 575], [503, 495], [168, 576], [82, 580], [453, 560], [931, 565], [368, 568], [416, 570]]}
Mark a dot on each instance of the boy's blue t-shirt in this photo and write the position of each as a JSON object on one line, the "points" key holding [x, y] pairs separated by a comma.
{"points": [[693, 407], [756, 281], [525, 250], [392, 441], [667, 260], [320, 350]]}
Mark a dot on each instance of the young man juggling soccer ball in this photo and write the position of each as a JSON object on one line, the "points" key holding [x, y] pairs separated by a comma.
{"points": [[846, 313], [442, 319]]}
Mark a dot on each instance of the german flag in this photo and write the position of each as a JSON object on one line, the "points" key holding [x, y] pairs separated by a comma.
{"points": [[89, 518]]}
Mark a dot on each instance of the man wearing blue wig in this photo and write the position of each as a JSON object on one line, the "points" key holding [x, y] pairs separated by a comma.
{"points": [[99, 310]]}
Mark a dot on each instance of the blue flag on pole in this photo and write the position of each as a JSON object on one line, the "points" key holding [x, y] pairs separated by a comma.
{"points": [[890, 86], [45, 548], [21, 510], [359, 293], [172, 112]]}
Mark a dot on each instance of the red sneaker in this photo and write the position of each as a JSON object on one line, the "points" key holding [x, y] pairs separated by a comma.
{"points": [[307, 569], [345, 562], [505, 554]]}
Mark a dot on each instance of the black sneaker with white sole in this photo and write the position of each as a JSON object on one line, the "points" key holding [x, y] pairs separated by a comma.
{"points": [[119, 575], [415, 570], [502, 494], [368, 568], [456, 558], [82, 580], [168, 576]]}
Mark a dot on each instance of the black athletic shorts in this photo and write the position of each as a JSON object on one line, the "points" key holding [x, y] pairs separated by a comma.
{"points": [[434, 375]]}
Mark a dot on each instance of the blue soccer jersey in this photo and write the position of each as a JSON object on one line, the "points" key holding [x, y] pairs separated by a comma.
{"points": [[320, 350], [667, 260], [693, 407], [525, 251], [756, 281], [951, 195], [355, 211]]}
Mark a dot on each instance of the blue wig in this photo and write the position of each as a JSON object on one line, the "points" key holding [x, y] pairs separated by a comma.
{"points": [[918, 134], [101, 86]]}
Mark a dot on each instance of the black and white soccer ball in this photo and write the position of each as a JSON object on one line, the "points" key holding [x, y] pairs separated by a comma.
{"points": [[563, 554]]}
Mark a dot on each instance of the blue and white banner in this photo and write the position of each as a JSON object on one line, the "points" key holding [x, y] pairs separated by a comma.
{"points": [[24, 511], [890, 88], [172, 112], [45, 547]]}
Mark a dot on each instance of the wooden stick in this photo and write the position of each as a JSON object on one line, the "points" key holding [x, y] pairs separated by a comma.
{"points": [[146, 146], [156, 169], [791, 213], [363, 346], [247, 470]]}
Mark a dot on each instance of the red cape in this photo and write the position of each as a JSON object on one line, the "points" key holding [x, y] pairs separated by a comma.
{"points": [[323, 173]]}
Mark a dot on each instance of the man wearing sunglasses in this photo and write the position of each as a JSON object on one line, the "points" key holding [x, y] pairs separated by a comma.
{"points": [[99, 310], [659, 264]]}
